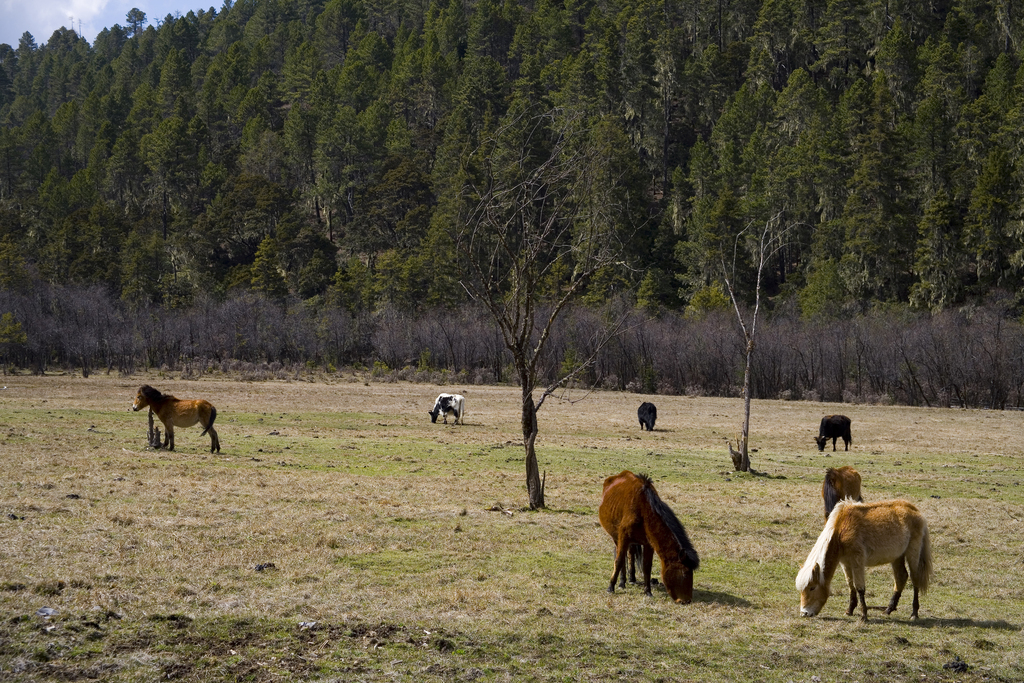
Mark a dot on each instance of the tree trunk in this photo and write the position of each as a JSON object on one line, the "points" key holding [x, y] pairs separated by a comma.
{"points": [[745, 455], [534, 485]]}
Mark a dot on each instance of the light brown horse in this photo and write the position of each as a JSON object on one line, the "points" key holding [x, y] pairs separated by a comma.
{"points": [[860, 535], [175, 412], [632, 513], [840, 483]]}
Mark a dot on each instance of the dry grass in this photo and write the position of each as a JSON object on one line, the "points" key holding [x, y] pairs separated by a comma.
{"points": [[338, 502]]}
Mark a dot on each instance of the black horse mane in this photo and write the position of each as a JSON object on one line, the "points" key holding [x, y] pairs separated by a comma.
{"points": [[688, 554], [152, 395], [829, 492]]}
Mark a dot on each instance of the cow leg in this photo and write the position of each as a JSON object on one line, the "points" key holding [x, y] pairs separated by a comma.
{"points": [[834, 443]]}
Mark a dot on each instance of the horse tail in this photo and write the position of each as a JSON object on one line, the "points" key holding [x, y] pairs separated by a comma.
{"points": [[687, 555], [213, 416], [924, 564], [828, 491]]}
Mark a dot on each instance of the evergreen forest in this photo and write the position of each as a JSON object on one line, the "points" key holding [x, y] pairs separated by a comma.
{"points": [[278, 185]]}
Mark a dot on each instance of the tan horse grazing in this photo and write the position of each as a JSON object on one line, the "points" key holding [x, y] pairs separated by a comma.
{"points": [[632, 513], [840, 483], [174, 412], [860, 535]]}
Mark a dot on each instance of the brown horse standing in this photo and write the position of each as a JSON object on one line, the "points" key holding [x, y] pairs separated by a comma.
{"points": [[174, 412], [840, 483], [632, 513], [860, 535]]}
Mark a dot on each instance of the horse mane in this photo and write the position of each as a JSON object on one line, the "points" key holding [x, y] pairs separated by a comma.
{"points": [[817, 554], [152, 395], [828, 490], [687, 554]]}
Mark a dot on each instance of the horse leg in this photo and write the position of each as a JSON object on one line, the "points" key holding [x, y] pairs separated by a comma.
{"points": [[848, 573], [214, 440], [855, 578], [899, 572], [636, 556], [913, 615], [629, 568], [169, 436], [894, 601], [648, 563], [621, 548], [629, 561]]}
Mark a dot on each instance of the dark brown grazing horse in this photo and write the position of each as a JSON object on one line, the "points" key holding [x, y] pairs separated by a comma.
{"points": [[840, 483], [174, 412], [632, 512]]}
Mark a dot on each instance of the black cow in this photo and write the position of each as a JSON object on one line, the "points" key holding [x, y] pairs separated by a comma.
{"points": [[647, 414], [833, 427]]}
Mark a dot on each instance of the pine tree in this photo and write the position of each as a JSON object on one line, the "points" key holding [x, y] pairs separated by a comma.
{"points": [[266, 276]]}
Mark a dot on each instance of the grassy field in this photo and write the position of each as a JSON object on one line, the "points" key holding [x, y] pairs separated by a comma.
{"points": [[342, 536]]}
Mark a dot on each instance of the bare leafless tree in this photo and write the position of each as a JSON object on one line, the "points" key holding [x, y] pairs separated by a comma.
{"points": [[764, 247], [541, 211]]}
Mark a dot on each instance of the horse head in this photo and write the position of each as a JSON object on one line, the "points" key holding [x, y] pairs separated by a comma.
{"points": [[814, 593], [678, 580], [146, 396]]}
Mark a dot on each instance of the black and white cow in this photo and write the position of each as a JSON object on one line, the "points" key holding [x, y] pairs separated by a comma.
{"points": [[647, 414], [446, 404], [833, 427]]}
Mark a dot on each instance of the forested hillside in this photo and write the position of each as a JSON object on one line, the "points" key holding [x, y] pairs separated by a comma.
{"points": [[311, 156]]}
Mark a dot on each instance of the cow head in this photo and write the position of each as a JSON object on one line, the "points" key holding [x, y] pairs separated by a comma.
{"points": [[433, 414], [821, 440]]}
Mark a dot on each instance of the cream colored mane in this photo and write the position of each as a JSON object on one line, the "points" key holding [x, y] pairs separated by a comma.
{"points": [[817, 554]]}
